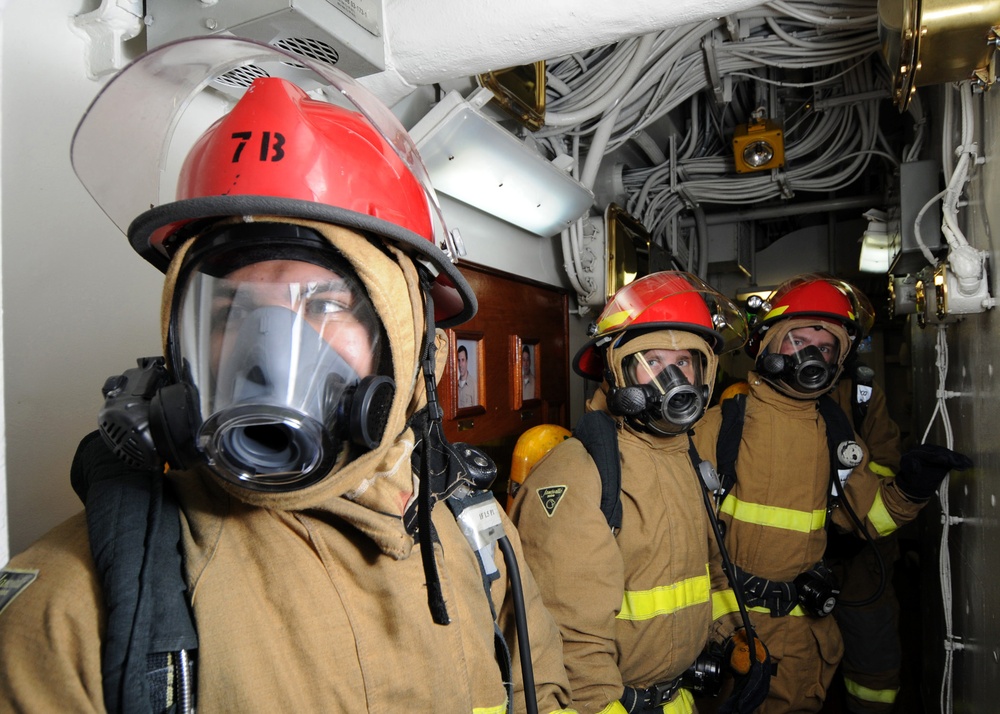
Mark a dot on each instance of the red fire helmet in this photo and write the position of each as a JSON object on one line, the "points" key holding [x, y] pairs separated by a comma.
{"points": [[277, 152], [814, 295], [667, 300]]}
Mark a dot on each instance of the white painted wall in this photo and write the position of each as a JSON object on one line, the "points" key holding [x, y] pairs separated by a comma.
{"points": [[4, 548], [79, 305]]}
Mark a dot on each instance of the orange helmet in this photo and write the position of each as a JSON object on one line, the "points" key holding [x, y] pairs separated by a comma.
{"points": [[814, 295], [277, 152], [667, 300]]}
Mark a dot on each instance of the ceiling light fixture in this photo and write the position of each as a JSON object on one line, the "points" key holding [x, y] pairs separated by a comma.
{"points": [[758, 146], [879, 244], [471, 158]]}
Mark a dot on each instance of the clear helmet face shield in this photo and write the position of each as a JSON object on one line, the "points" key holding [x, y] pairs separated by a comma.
{"points": [[137, 148], [664, 389], [176, 91], [283, 355]]}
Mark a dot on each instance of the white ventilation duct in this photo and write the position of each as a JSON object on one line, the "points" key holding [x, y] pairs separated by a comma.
{"points": [[348, 35]]}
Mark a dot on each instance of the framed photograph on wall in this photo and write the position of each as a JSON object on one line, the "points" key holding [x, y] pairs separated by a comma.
{"points": [[525, 362], [466, 366]]}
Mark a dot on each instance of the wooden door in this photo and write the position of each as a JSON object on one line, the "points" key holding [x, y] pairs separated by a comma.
{"points": [[508, 367]]}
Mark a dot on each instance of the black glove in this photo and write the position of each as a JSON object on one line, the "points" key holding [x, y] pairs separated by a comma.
{"points": [[922, 469], [753, 674]]}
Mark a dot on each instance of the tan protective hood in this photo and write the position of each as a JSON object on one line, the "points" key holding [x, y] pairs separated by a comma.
{"points": [[378, 484], [665, 340]]}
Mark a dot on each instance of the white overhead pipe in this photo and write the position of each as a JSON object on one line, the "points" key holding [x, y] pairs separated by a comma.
{"points": [[422, 49]]}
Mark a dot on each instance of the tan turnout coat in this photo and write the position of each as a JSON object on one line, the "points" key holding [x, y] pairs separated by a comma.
{"points": [[776, 516], [309, 601], [633, 609]]}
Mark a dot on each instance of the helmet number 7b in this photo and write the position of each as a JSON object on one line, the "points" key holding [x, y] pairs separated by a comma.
{"points": [[266, 146]]}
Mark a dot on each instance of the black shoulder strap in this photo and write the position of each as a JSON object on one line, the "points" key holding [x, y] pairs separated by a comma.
{"points": [[838, 430], [838, 426], [596, 430], [727, 446], [861, 376], [133, 524]]}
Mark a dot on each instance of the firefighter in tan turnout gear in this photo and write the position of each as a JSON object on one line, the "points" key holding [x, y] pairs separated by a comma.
{"points": [[785, 484], [630, 584], [870, 628], [296, 410]]}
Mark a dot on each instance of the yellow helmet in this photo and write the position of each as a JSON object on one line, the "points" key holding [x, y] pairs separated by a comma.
{"points": [[531, 446], [733, 389]]}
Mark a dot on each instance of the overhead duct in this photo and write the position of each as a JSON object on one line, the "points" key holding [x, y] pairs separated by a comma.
{"points": [[347, 35]]}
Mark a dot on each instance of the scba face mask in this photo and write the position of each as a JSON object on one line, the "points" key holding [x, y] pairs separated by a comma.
{"points": [[284, 351], [806, 361], [664, 392]]}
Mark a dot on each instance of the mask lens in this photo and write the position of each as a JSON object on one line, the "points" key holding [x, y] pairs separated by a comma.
{"points": [[801, 364], [811, 371], [275, 349]]}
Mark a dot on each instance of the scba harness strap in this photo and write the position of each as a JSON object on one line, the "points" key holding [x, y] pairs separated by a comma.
{"points": [[838, 433], [815, 589], [597, 432], [133, 523]]}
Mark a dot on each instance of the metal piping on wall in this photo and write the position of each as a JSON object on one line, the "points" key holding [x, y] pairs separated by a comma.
{"points": [[792, 209]]}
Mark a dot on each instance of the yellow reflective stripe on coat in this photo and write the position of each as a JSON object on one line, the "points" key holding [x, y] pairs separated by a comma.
{"points": [[682, 703], [883, 696], [502, 709], [773, 516], [663, 600], [880, 470], [879, 516], [724, 603]]}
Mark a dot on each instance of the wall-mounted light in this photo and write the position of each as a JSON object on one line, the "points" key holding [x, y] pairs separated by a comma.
{"points": [[758, 146], [474, 160], [879, 244]]}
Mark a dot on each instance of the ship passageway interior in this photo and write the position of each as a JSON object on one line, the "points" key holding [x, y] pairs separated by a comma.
{"points": [[575, 148]]}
